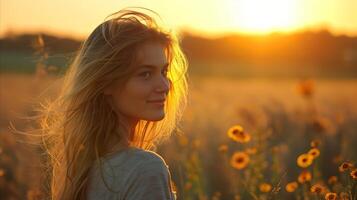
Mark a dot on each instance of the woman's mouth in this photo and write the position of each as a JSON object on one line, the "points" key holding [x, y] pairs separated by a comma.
{"points": [[159, 102]]}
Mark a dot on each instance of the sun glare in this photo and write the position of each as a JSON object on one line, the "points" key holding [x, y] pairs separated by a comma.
{"points": [[261, 16]]}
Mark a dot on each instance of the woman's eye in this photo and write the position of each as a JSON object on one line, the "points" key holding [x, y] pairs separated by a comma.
{"points": [[145, 74]]}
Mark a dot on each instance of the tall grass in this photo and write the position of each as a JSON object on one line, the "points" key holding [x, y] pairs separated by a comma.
{"points": [[239, 139]]}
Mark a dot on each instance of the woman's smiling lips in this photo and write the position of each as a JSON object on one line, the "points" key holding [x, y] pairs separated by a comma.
{"points": [[159, 102]]}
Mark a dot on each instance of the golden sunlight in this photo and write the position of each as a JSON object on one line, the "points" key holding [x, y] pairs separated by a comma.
{"points": [[261, 16]]}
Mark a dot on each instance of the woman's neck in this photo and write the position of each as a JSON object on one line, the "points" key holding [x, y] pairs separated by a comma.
{"points": [[126, 131]]}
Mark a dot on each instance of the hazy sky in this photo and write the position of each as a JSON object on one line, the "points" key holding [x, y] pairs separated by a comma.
{"points": [[77, 18]]}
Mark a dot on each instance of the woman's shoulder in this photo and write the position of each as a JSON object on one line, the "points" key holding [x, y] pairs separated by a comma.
{"points": [[136, 157], [128, 168], [133, 162], [149, 177], [146, 156]]}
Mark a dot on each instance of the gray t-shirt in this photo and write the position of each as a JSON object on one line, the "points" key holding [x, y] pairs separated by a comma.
{"points": [[132, 174]]}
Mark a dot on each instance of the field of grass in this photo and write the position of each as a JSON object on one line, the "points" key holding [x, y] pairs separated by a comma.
{"points": [[239, 139]]}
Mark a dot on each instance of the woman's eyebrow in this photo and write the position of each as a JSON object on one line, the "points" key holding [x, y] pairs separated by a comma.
{"points": [[153, 66]]}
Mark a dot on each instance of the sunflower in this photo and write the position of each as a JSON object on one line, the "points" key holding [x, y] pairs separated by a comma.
{"points": [[237, 197], [323, 125], [291, 187], [265, 187], [317, 189], [315, 143], [2, 172], [304, 160], [196, 143], [314, 152], [304, 176], [34, 194], [345, 166], [344, 196], [238, 134], [183, 140], [306, 88], [239, 160], [223, 148], [331, 196], [217, 195], [188, 185], [275, 149], [354, 174], [332, 180]]}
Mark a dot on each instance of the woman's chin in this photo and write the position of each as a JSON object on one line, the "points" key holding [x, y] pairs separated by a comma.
{"points": [[157, 117]]}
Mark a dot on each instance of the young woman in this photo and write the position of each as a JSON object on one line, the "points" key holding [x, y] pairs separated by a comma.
{"points": [[124, 93]]}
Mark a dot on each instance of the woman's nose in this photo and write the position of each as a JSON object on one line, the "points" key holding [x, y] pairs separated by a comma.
{"points": [[163, 85]]}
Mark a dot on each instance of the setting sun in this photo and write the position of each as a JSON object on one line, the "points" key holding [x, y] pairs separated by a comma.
{"points": [[213, 17], [261, 16]]}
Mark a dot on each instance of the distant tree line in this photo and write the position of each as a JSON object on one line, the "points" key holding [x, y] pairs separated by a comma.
{"points": [[315, 48]]}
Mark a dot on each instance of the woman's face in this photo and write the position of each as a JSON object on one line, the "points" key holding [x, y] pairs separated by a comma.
{"points": [[144, 95]]}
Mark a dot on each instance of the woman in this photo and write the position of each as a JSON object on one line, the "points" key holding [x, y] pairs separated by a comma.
{"points": [[124, 93]]}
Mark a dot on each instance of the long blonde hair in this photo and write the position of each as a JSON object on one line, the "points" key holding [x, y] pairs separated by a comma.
{"points": [[80, 123]]}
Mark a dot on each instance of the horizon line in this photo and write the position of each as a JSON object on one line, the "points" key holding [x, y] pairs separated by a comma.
{"points": [[191, 31]]}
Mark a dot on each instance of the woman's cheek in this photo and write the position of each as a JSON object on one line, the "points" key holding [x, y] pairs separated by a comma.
{"points": [[143, 90]]}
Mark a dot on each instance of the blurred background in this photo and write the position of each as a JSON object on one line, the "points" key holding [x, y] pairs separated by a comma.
{"points": [[282, 73]]}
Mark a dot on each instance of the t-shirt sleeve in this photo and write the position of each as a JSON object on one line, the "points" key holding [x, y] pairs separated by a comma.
{"points": [[151, 181]]}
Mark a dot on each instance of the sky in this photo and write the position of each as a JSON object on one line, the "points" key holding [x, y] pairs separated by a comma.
{"points": [[77, 18]]}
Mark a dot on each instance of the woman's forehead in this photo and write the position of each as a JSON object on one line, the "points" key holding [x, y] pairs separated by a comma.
{"points": [[152, 54]]}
